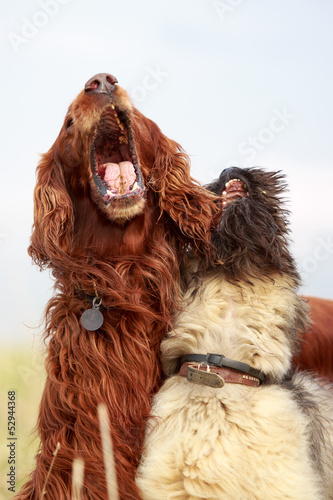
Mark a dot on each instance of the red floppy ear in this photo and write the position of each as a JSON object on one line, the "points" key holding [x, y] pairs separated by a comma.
{"points": [[188, 204], [53, 213]]}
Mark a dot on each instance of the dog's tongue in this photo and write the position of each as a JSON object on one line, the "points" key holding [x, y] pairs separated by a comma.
{"points": [[119, 176]]}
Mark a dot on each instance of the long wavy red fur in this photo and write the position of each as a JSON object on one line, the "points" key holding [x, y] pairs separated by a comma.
{"points": [[134, 267], [316, 352]]}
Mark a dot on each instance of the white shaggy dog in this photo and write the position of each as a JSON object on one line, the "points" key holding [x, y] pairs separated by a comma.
{"points": [[238, 424]]}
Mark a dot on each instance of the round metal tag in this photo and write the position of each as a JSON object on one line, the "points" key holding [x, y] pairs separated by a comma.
{"points": [[92, 319]]}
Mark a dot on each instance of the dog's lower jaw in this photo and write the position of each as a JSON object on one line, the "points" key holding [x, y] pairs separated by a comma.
{"points": [[123, 211]]}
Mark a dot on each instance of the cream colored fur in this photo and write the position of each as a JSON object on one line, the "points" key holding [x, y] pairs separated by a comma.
{"points": [[238, 442]]}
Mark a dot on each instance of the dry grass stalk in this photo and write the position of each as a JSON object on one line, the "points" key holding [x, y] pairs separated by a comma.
{"points": [[55, 453], [110, 470], [77, 478]]}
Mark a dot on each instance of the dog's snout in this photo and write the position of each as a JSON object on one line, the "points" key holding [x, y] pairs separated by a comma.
{"points": [[230, 172], [102, 83]]}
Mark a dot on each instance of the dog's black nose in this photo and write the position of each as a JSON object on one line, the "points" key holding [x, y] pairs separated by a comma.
{"points": [[103, 83], [230, 172]]}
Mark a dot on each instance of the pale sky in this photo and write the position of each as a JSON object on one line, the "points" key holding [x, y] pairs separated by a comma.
{"points": [[245, 83]]}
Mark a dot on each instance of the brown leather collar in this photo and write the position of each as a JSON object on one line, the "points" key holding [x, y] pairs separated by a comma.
{"points": [[214, 376]]}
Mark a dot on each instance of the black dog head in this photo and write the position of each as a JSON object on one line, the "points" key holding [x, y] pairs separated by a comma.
{"points": [[250, 240]]}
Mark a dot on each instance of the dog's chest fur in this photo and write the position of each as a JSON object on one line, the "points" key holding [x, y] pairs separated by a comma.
{"points": [[237, 442], [253, 324], [234, 443]]}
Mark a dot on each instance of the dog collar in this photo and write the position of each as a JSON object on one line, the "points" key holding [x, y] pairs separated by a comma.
{"points": [[206, 367]]}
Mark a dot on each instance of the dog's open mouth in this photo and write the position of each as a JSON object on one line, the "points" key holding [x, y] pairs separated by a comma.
{"points": [[234, 189], [113, 158]]}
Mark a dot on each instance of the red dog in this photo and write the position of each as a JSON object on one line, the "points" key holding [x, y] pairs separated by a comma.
{"points": [[115, 209], [317, 347]]}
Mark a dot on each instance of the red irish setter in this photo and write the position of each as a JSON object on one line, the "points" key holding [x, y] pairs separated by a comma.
{"points": [[114, 211]]}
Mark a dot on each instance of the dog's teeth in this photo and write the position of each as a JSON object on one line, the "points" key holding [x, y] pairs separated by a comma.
{"points": [[232, 181], [224, 193], [123, 139], [135, 185], [110, 193], [112, 106]]}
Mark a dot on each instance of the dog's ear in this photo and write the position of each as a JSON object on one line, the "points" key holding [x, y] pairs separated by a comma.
{"points": [[53, 213], [188, 204]]}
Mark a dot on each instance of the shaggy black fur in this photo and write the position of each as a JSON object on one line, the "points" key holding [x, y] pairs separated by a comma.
{"points": [[251, 237]]}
